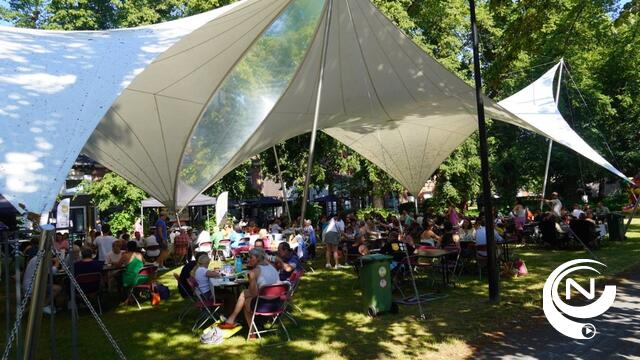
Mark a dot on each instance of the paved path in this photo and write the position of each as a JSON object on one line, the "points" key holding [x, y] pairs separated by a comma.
{"points": [[618, 334]]}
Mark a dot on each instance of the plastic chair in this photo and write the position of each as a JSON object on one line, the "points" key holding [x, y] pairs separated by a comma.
{"points": [[208, 308], [149, 285], [91, 285], [271, 302]]}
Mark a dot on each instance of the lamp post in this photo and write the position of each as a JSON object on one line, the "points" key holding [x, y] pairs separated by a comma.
{"points": [[492, 265]]}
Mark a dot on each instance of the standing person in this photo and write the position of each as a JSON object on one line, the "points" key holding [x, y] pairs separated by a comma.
{"points": [[162, 239], [105, 242], [332, 235], [555, 204], [311, 233], [138, 227]]}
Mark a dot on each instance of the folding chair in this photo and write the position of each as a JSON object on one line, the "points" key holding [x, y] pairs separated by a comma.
{"points": [[294, 279], [208, 308], [192, 301], [452, 262], [223, 250], [271, 302], [148, 272], [91, 285], [400, 272]]}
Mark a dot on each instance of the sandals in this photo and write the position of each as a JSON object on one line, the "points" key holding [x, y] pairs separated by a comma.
{"points": [[227, 326]]}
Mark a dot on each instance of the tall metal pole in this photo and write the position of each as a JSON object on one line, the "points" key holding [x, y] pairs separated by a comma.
{"points": [[284, 186], [546, 168], [5, 268], [316, 113], [39, 284], [494, 286]]}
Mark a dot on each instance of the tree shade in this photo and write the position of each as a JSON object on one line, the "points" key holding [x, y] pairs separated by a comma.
{"points": [[174, 107]]}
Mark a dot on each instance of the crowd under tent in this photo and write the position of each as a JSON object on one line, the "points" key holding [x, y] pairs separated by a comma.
{"points": [[174, 107]]}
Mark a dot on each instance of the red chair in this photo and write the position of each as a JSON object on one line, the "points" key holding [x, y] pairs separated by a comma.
{"points": [[148, 272], [91, 285], [271, 302], [294, 280], [208, 307]]}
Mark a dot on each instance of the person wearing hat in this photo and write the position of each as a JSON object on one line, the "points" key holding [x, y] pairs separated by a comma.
{"points": [[555, 204], [202, 275]]}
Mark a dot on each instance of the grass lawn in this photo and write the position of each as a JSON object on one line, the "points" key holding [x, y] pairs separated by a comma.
{"points": [[334, 324]]}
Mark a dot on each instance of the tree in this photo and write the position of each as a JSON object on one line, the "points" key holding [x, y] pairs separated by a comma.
{"points": [[116, 197]]}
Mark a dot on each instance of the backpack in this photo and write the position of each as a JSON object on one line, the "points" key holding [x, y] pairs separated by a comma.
{"points": [[163, 291]]}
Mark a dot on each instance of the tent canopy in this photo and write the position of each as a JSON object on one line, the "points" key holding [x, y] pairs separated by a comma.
{"points": [[535, 105], [174, 107], [200, 200]]}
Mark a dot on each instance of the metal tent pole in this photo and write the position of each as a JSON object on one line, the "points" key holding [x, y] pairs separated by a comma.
{"points": [[546, 168], [494, 286], [5, 269], [74, 312], [284, 186], [316, 113], [18, 297], [39, 285]]}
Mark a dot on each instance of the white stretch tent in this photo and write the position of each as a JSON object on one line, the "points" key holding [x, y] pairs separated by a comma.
{"points": [[535, 104], [200, 200], [191, 106]]}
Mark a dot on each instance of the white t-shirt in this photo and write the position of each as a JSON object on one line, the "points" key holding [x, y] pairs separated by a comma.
{"points": [[335, 226], [104, 244], [481, 238], [275, 229], [151, 241], [28, 273], [576, 213], [556, 205], [113, 258], [202, 279]]}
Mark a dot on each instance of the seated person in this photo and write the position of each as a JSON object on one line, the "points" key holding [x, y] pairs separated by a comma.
{"points": [[263, 235], [185, 273], [113, 257], [202, 275], [137, 237], [152, 248], [262, 274], [53, 292], [287, 261], [236, 237], [355, 248], [396, 248], [428, 236], [584, 230], [258, 244], [481, 236], [87, 264], [132, 261], [447, 238]]}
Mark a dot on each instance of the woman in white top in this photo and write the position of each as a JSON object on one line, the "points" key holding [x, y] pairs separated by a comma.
{"points": [[113, 257], [263, 273], [202, 275]]}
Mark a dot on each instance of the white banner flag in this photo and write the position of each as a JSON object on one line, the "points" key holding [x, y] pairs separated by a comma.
{"points": [[62, 214], [222, 205]]}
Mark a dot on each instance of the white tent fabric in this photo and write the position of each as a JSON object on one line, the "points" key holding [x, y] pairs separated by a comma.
{"points": [[535, 104], [183, 103], [55, 86], [200, 200]]}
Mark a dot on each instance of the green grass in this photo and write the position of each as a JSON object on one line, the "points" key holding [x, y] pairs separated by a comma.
{"points": [[334, 324]]}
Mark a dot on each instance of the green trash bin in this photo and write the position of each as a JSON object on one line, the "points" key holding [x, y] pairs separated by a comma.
{"points": [[375, 281], [615, 224]]}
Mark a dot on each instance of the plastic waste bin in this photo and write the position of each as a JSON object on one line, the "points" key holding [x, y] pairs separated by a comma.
{"points": [[375, 280], [615, 223]]}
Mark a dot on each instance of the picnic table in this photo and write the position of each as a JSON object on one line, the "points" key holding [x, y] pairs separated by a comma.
{"points": [[439, 254]]}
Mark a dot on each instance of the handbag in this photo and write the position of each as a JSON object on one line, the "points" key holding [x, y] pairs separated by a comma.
{"points": [[155, 298]]}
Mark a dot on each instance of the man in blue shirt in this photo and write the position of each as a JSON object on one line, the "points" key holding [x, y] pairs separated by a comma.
{"points": [[236, 236], [162, 238], [286, 261]]}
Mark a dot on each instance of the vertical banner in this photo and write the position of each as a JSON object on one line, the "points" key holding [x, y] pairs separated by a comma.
{"points": [[222, 205], [62, 214]]}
